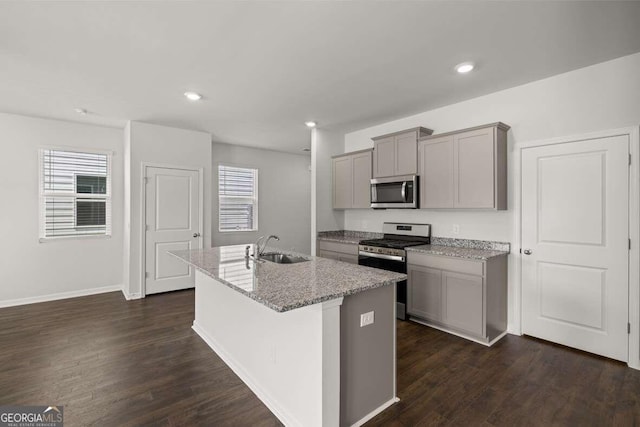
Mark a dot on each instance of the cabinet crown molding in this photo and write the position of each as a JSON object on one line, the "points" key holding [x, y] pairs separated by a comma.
{"points": [[499, 125], [422, 132], [351, 153]]}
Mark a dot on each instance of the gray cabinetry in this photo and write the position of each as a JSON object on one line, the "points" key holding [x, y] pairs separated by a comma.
{"points": [[436, 172], [464, 169], [462, 302], [397, 153], [351, 180], [465, 297], [424, 298], [345, 252]]}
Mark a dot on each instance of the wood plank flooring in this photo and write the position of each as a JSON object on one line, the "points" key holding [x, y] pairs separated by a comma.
{"points": [[116, 363]]}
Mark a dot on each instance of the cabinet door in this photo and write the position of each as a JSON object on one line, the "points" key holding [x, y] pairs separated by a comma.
{"points": [[384, 154], [474, 152], [342, 183], [328, 254], [462, 302], [361, 180], [406, 153], [351, 259], [424, 292], [436, 172]]}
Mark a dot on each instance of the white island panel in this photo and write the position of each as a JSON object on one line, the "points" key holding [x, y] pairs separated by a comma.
{"points": [[290, 360]]}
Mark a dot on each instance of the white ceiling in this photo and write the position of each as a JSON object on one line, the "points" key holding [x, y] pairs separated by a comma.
{"points": [[265, 67]]}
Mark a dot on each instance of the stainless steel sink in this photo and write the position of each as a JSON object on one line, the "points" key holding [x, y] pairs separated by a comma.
{"points": [[282, 258]]}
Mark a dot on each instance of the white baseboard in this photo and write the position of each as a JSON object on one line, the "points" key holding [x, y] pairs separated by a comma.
{"points": [[129, 296], [59, 296], [375, 412], [255, 387]]}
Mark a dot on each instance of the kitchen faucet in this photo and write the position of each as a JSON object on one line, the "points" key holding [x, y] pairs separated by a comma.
{"points": [[260, 250]]}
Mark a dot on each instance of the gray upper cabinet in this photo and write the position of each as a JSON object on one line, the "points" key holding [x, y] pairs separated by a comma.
{"points": [[397, 153], [342, 179], [464, 169], [436, 172], [351, 180]]}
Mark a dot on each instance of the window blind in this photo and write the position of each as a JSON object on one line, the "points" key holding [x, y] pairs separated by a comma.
{"points": [[75, 193], [238, 198]]}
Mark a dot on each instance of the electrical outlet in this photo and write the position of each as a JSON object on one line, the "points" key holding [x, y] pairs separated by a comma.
{"points": [[456, 229], [366, 319]]}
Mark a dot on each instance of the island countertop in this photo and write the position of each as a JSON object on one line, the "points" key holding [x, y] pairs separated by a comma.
{"points": [[284, 287]]}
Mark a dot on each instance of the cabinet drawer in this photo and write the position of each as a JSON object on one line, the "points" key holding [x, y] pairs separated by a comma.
{"points": [[446, 263], [345, 248]]}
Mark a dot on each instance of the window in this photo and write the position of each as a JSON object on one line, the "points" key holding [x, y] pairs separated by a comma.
{"points": [[238, 199], [75, 194]]}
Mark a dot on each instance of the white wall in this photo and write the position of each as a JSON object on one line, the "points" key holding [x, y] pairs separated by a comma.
{"points": [[600, 97], [284, 196], [30, 270], [327, 144], [161, 145], [603, 96]]}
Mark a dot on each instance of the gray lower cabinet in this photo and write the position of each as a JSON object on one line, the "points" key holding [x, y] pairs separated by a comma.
{"points": [[424, 298], [351, 180], [462, 302], [464, 169], [463, 296], [345, 252]]}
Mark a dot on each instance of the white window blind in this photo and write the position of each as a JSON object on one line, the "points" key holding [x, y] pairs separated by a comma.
{"points": [[75, 194], [238, 198]]}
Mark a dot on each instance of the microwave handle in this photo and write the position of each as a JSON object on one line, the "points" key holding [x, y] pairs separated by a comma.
{"points": [[404, 190], [374, 193]]}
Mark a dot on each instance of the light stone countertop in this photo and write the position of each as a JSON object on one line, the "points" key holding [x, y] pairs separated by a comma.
{"points": [[457, 252], [284, 287], [347, 236]]}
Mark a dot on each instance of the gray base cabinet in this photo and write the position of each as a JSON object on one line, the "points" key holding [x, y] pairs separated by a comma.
{"points": [[465, 169], [345, 252], [467, 297], [351, 180]]}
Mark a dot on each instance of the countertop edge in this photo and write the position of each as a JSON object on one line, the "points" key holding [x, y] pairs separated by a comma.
{"points": [[285, 308]]}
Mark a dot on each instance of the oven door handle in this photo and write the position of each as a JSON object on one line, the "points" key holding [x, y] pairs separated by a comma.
{"points": [[382, 256]]}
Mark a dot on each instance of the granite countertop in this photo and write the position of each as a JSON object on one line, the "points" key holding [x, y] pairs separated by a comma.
{"points": [[457, 252], [284, 287], [347, 236]]}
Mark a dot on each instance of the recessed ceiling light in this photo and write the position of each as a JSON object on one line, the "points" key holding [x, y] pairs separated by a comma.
{"points": [[465, 67], [80, 111], [310, 124], [193, 96]]}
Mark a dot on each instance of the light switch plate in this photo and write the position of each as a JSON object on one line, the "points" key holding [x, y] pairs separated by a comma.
{"points": [[366, 319]]}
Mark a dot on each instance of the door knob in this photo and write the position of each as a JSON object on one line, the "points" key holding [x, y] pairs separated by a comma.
{"points": [[527, 251], [196, 234]]}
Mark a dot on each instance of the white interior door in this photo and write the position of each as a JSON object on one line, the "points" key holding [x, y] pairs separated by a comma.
{"points": [[173, 215], [575, 230]]}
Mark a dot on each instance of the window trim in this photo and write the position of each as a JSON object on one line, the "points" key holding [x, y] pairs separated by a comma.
{"points": [[255, 199], [42, 194]]}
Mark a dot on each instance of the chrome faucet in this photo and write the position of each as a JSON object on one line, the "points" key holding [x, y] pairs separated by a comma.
{"points": [[259, 250]]}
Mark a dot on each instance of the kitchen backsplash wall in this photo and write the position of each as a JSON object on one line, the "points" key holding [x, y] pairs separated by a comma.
{"points": [[599, 97]]}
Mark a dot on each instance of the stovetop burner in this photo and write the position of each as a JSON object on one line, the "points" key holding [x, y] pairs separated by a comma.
{"points": [[394, 243]]}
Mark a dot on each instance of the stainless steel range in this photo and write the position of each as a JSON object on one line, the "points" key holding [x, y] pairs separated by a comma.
{"points": [[388, 253]]}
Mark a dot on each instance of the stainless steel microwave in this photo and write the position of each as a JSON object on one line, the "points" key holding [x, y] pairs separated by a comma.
{"points": [[395, 192]]}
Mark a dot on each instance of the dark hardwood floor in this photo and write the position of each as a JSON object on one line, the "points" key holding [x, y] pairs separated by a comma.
{"points": [[116, 363]]}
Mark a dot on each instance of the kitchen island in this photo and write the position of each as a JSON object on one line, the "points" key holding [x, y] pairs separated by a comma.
{"points": [[294, 333]]}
